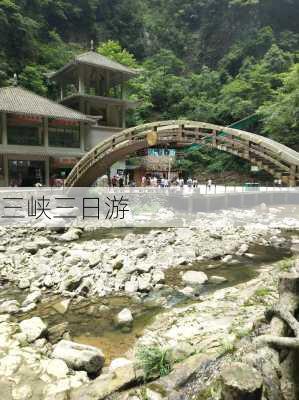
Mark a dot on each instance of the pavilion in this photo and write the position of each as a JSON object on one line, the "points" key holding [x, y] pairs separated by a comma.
{"points": [[96, 86]]}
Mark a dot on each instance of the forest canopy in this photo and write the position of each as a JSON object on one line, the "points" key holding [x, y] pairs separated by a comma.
{"points": [[208, 60]]}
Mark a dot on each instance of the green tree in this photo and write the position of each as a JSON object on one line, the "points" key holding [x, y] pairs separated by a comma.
{"points": [[113, 50], [281, 116], [33, 78]]}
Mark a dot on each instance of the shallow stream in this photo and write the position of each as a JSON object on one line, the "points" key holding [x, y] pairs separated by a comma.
{"points": [[92, 320]]}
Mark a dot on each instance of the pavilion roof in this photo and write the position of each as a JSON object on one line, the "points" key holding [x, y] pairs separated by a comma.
{"points": [[16, 100], [95, 59]]}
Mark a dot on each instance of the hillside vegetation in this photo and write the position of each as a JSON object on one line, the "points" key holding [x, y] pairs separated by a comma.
{"points": [[209, 60]]}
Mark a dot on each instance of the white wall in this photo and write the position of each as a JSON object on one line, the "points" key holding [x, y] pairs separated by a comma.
{"points": [[98, 134]]}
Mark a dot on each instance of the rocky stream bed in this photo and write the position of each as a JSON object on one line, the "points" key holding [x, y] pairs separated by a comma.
{"points": [[77, 307]]}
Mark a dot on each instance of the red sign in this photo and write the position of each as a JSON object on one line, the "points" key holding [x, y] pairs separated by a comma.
{"points": [[63, 122], [21, 119]]}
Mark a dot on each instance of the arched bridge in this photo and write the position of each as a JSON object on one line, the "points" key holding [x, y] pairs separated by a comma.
{"points": [[278, 160]]}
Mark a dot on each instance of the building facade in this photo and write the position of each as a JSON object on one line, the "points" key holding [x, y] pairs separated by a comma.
{"points": [[41, 140], [38, 137]]}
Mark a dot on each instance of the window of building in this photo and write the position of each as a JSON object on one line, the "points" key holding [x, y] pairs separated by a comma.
{"points": [[26, 172], [1, 167], [1, 127], [24, 131], [64, 136]]}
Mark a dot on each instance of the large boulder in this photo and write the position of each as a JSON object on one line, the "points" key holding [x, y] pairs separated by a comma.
{"points": [[79, 356], [194, 278], [105, 384], [241, 382], [33, 328]]}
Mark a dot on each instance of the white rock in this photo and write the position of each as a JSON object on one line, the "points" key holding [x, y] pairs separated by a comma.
{"points": [[119, 363], [33, 328], [48, 281], [141, 252], [33, 297], [95, 258], [28, 308], [227, 258], [79, 356], [243, 249], [249, 255], [62, 306], [9, 306], [31, 247], [42, 242], [9, 365], [57, 368], [23, 392], [24, 283], [188, 291], [152, 395], [124, 317], [131, 286], [70, 235], [144, 282], [158, 277], [217, 279], [194, 278]]}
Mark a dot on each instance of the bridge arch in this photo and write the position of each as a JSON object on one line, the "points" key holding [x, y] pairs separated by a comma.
{"points": [[277, 159]]}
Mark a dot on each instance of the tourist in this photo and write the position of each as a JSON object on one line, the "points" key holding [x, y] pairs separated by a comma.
{"points": [[114, 181], [209, 184]]}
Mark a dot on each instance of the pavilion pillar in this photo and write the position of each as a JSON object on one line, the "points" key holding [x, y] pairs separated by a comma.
{"points": [[46, 134], [61, 91], [4, 144], [122, 88], [46, 145], [82, 137], [81, 76], [107, 83], [123, 117], [4, 128], [5, 169], [108, 115], [292, 178], [47, 170], [214, 138]]}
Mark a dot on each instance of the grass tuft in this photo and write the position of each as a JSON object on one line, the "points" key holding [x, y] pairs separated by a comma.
{"points": [[154, 361]]}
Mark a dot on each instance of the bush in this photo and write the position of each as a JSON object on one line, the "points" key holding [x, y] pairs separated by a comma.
{"points": [[154, 361]]}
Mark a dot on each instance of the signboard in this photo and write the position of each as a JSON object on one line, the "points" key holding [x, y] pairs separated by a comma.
{"points": [[64, 162], [63, 122], [152, 138], [19, 119]]}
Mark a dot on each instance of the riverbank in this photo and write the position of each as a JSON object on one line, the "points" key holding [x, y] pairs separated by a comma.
{"points": [[167, 288]]}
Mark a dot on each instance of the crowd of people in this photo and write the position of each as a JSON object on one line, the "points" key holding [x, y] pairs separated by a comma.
{"points": [[157, 181]]}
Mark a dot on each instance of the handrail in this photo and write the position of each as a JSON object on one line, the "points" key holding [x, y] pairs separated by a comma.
{"points": [[167, 131]]}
